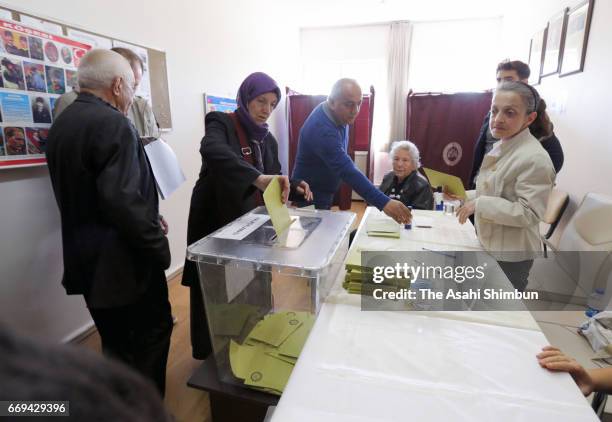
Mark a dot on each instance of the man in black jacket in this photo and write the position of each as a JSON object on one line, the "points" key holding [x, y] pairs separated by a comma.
{"points": [[512, 71], [115, 251]]}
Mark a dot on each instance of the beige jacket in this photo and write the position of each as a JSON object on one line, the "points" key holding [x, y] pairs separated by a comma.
{"points": [[140, 113], [511, 195]]}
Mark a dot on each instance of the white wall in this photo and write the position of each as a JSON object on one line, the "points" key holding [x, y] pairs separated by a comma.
{"points": [[440, 51], [580, 104], [210, 46], [363, 56]]}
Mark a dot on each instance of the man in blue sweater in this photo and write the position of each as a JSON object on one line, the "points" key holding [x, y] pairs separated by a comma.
{"points": [[322, 160]]}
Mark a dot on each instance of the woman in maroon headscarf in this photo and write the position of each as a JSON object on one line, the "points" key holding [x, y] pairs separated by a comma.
{"points": [[239, 159]]}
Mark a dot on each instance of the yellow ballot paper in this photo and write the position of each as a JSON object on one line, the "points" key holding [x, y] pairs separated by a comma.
{"points": [[279, 214], [275, 328], [241, 358], [453, 184], [259, 361], [293, 345]]}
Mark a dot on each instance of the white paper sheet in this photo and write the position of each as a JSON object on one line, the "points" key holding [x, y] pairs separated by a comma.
{"points": [[165, 166], [242, 227], [94, 40], [420, 221], [52, 28], [6, 14]]}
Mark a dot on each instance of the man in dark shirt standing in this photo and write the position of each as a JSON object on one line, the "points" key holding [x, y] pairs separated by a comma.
{"points": [[115, 251]]}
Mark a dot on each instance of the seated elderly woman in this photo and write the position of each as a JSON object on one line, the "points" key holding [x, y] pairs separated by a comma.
{"points": [[405, 183]]}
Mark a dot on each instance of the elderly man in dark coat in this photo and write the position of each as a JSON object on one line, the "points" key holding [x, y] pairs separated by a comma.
{"points": [[115, 250]]}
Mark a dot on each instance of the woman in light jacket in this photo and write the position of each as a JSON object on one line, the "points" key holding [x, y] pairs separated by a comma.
{"points": [[513, 185]]}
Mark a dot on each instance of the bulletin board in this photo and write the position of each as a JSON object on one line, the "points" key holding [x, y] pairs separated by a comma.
{"points": [[36, 67], [48, 49]]}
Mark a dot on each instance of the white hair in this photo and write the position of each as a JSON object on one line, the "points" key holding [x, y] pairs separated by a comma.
{"points": [[99, 68], [339, 86], [412, 149]]}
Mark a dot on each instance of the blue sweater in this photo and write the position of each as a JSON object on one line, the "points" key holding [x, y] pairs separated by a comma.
{"points": [[322, 161]]}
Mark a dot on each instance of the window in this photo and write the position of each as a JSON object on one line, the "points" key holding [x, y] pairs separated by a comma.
{"points": [[455, 56], [358, 52]]}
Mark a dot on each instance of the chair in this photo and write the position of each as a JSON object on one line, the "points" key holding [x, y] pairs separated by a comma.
{"points": [[557, 203], [582, 257], [599, 403], [590, 228], [584, 249]]}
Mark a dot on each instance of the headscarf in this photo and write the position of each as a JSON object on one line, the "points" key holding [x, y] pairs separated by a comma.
{"points": [[254, 85]]}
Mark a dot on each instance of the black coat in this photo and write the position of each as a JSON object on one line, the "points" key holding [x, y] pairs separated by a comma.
{"points": [[224, 190], [550, 144], [113, 242], [415, 191]]}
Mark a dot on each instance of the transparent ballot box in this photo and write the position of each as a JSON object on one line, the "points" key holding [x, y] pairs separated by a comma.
{"points": [[262, 292]]}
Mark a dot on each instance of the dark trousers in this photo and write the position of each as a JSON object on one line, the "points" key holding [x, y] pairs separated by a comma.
{"points": [[517, 272], [201, 343], [139, 334]]}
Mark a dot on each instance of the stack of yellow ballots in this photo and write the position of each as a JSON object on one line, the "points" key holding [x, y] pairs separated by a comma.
{"points": [[266, 358], [358, 278], [359, 281]]}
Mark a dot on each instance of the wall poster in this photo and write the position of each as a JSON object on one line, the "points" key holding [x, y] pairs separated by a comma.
{"points": [[36, 67]]}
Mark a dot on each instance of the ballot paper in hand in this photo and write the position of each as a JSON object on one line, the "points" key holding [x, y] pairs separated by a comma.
{"points": [[165, 166], [453, 184], [276, 209]]}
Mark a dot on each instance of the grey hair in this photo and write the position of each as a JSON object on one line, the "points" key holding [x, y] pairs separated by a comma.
{"points": [[412, 149], [338, 87], [528, 94], [99, 68]]}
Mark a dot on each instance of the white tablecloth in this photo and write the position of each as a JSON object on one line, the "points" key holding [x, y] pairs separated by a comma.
{"points": [[435, 366]]}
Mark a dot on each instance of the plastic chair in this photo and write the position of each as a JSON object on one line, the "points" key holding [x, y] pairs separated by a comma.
{"points": [[590, 228], [585, 246], [557, 203], [599, 403]]}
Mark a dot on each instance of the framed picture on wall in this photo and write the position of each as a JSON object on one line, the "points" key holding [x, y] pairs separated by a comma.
{"points": [[538, 42], [554, 44], [576, 38]]}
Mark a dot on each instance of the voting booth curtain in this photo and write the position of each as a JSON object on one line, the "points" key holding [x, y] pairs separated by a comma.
{"points": [[300, 106], [444, 127]]}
